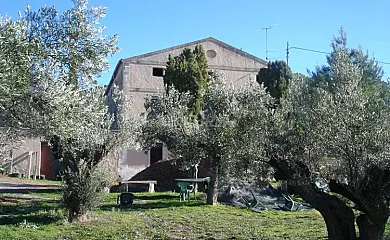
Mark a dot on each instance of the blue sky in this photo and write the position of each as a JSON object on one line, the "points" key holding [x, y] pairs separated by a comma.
{"points": [[148, 25]]}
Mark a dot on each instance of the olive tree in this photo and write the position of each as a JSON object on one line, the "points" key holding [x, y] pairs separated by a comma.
{"points": [[14, 80], [340, 135], [71, 52], [14, 64], [354, 131], [212, 137], [43, 44], [53, 59], [79, 127], [71, 43], [296, 154]]}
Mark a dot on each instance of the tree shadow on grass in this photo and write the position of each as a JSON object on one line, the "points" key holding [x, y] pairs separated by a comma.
{"points": [[16, 209], [27, 191], [39, 219], [142, 205], [157, 197]]}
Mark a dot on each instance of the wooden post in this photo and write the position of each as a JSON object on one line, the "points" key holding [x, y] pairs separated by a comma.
{"points": [[35, 166], [12, 161], [29, 164], [196, 176], [39, 166]]}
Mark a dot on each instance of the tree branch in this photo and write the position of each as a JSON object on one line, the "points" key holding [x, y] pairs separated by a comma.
{"points": [[346, 191]]}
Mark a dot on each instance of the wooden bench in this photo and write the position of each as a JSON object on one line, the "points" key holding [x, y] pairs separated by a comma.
{"points": [[149, 183]]}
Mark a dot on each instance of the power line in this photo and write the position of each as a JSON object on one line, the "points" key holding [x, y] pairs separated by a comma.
{"points": [[310, 50], [316, 51]]}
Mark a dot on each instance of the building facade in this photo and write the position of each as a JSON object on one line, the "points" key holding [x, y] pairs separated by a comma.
{"points": [[29, 156], [142, 76]]}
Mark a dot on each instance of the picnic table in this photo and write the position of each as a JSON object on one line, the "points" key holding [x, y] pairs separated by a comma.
{"points": [[187, 185], [149, 183]]}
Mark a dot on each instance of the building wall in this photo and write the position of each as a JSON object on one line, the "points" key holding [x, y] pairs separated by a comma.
{"points": [[21, 149], [224, 57], [133, 161], [139, 83], [118, 81], [238, 78]]}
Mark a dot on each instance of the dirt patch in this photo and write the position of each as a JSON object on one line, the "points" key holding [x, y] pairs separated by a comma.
{"points": [[15, 185], [14, 180]]}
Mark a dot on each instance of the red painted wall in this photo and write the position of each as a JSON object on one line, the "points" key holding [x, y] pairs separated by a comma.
{"points": [[48, 167]]}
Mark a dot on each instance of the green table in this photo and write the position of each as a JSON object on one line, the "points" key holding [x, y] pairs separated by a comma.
{"points": [[193, 180]]}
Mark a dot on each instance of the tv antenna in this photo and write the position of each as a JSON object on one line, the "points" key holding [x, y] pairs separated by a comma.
{"points": [[266, 38]]}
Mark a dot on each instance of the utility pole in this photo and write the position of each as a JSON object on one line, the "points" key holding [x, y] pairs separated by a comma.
{"points": [[287, 52], [266, 38]]}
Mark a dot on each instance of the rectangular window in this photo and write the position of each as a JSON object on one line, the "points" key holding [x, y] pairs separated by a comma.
{"points": [[158, 72]]}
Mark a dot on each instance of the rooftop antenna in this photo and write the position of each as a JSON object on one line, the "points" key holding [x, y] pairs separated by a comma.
{"points": [[266, 38]]}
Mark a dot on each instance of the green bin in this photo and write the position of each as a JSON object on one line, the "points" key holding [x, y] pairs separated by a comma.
{"points": [[17, 175]]}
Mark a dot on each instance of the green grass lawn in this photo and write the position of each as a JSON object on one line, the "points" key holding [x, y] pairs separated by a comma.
{"points": [[153, 216]]}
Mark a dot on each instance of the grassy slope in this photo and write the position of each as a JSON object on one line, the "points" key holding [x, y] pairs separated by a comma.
{"points": [[153, 216]]}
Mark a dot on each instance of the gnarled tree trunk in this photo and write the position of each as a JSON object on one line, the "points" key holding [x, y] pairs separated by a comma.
{"points": [[374, 188], [212, 192], [77, 217], [339, 218], [370, 230], [369, 195], [372, 223]]}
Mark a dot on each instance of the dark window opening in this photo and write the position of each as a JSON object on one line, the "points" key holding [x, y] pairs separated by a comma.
{"points": [[156, 154], [158, 72], [211, 73]]}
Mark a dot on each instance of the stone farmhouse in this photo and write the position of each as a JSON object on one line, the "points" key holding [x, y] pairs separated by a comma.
{"points": [[142, 76]]}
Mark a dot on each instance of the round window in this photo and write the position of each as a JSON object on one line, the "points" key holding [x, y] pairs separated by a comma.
{"points": [[211, 53]]}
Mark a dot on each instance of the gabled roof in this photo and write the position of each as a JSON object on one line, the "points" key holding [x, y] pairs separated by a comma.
{"points": [[209, 39]]}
